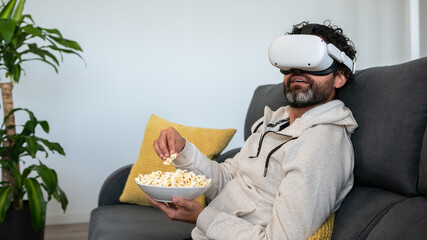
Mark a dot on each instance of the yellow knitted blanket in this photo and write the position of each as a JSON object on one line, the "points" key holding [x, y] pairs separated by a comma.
{"points": [[325, 231]]}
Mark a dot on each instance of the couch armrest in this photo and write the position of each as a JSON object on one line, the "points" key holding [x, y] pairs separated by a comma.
{"points": [[229, 154], [113, 186]]}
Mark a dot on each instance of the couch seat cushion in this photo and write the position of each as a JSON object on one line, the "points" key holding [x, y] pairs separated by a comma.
{"points": [[406, 220], [362, 209], [129, 222]]}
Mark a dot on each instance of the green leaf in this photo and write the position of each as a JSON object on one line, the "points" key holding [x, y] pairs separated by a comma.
{"points": [[10, 114], [43, 53], [7, 29], [32, 146], [30, 125], [8, 10], [27, 171], [34, 49], [31, 115], [42, 149], [51, 64], [67, 43], [45, 126], [46, 61], [18, 40], [18, 11], [49, 178], [6, 194], [60, 196], [53, 146], [65, 50], [16, 73], [29, 17], [33, 31], [17, 177], [53, 31], [37, 203]]}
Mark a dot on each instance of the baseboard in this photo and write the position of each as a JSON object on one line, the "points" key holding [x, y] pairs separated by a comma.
{"points": [[67, 218]]}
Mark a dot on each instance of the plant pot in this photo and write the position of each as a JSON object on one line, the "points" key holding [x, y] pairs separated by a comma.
{"points": [[17, 226]]}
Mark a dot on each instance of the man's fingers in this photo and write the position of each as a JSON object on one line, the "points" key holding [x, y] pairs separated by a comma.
{"points": [[172, 205], [180, 209], [161, 145], [182, 202], [162, 206], [168, 142], [157, 149], [171, 136]]}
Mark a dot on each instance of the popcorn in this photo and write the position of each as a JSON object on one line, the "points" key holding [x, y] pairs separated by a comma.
{"points": [[169, 160], [179, 178]]}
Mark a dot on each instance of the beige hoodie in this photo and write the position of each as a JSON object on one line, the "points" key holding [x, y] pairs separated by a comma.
{"points": [[309, 172]]}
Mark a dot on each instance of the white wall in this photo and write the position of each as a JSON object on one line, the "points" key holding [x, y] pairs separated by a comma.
{"points": [[194, 62], [423, 30]]}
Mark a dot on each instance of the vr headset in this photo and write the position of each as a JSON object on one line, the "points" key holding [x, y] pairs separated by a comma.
{"points": [[308, 53]]}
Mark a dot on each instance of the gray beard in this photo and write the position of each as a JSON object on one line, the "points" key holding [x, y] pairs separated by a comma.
{"points": [[301, 99], [315, 94]]}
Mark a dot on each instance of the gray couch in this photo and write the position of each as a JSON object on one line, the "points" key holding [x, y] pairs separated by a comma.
{"points": [[389, 199]]}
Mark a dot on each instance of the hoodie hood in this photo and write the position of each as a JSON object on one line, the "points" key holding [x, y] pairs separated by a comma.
{"points": [[333, 112]]}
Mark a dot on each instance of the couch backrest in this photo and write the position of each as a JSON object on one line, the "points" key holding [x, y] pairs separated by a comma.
{"points": [[390, 105]]}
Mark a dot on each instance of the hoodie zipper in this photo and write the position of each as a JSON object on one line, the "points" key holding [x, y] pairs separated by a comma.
{"points": [[261, 140], [273, 151]]}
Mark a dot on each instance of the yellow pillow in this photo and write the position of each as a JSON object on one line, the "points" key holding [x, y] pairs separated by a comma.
{"points": [[209, 141], [325, 231]]}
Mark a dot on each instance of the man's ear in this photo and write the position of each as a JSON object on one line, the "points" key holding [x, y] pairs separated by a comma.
{"points": [[340, 80]]}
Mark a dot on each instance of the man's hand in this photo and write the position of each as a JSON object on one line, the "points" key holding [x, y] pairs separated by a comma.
{"points": [[169, 142], [180, 209]]}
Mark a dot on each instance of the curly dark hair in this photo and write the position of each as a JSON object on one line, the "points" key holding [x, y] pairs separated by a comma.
{"points": [[335, 35]]}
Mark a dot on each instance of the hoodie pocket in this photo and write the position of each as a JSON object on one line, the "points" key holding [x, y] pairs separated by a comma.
{"points": [[233, 200]]}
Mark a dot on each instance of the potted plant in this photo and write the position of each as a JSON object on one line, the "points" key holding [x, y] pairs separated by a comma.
{"points": [[21, 146], [21, 41]]}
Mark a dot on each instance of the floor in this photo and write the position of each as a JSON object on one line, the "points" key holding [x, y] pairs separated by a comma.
{"points": [[75, 231]]}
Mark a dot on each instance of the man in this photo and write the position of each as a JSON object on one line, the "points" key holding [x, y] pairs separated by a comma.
{"points": [[296, 167]]}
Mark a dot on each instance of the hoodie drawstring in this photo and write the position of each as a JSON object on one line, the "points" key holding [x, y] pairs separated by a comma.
{"points": [[269, 156], [284, 123]]}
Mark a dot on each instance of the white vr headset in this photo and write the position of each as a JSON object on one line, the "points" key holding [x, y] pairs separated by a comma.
{"points": [[309, 53]]}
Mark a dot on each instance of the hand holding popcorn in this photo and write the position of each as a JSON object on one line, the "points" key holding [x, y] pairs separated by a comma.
{"points": [[169, 160], [169, 142]]}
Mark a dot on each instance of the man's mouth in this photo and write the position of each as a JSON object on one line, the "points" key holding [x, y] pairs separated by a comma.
{"points": [[299, 81]]}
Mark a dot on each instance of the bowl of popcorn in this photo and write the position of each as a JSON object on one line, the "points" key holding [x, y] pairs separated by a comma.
{"points": [[162, 186]]}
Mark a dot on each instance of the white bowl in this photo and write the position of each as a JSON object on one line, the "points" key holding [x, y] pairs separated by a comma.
{"points": [[165, 194]]}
